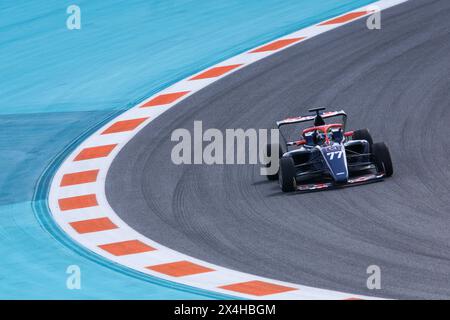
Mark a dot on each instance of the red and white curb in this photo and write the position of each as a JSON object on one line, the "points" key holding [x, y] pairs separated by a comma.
{"points": [[79, 206]]}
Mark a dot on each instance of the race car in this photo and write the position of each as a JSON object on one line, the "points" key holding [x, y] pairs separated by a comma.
{"points": [[324, 155]]}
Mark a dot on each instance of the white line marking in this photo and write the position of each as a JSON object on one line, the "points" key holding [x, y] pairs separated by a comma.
{"points": [[210, 280]]}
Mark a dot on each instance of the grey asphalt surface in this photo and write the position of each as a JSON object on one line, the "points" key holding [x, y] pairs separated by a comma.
{"points": [[396, 82]]}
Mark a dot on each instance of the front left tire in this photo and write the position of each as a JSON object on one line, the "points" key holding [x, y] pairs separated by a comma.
{"points": [[382, 158]]}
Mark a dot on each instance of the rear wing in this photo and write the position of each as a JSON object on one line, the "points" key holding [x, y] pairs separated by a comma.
{"points": [[312, 117], [300, 119]]}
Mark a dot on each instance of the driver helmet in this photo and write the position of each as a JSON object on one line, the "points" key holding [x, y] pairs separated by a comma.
{"points": [[319, 137], [336, 135]]}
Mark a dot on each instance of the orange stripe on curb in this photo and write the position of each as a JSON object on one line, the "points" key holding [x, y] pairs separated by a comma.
{"points": [[93, 225], [257, 288], [70, 179], [277, 45], [164, 99], [179, 268], [345, 18], [78, 202], [125, 125], [126, 247], [95, 152], [215, 72]]}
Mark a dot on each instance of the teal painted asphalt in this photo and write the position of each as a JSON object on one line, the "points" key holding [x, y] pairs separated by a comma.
{"points": [[57, 84]]}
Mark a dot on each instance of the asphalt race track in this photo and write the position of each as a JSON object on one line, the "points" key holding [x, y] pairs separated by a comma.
{"points": [[394, 81]]}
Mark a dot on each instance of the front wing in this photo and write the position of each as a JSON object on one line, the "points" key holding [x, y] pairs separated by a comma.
{"points": [[367, 178]]}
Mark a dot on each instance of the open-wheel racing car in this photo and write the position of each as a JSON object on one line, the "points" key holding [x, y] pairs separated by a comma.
{"points": [[324, 155]]}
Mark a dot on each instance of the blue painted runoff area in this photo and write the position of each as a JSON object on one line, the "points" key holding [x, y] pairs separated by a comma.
{"points": [[57, 85]]}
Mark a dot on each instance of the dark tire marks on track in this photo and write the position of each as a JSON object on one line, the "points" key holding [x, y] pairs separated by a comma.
{"points": [[396, 82]]}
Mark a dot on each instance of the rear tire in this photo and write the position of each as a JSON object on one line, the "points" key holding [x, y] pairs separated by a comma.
{"points": [[269, 148], [287, 175], [363, 134], [382, 158]]}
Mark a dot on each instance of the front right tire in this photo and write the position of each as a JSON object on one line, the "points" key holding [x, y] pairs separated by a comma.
{"points": [[269, 149], [286, 176]]}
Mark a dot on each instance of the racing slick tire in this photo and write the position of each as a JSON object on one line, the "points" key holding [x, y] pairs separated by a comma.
{"points": [[286, 176], [382, 158], [269, 148], [363, 134]]}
